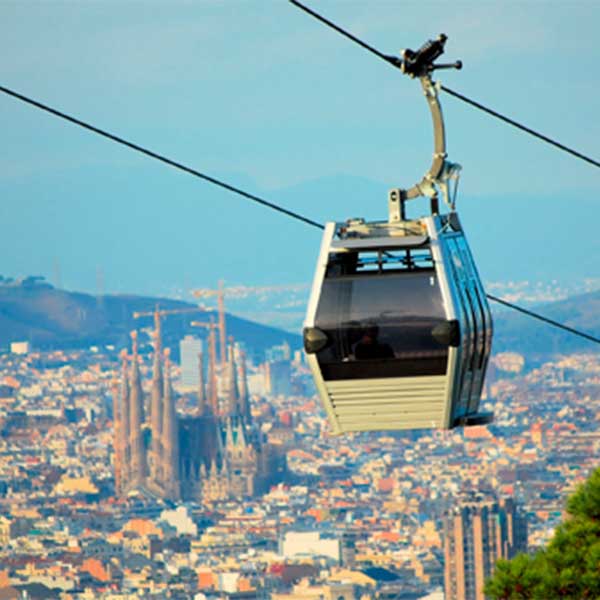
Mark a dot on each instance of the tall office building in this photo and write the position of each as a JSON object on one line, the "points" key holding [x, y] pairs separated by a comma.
{"points": [[275, 353], [478, 531], [278, 378], [189, 349]]}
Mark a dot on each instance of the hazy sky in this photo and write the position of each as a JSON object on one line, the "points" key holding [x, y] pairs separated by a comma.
{"points": [[262, 94]]}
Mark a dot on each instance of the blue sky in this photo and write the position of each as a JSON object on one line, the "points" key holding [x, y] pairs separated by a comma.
{"points": [[263, 95]]}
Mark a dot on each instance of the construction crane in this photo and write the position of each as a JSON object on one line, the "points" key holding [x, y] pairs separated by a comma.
{"points": [[220, 294], [157, 312], [213, 397], [237, 291]]}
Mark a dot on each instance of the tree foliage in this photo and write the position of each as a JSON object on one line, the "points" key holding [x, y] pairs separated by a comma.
{"points": [[569, 567]]}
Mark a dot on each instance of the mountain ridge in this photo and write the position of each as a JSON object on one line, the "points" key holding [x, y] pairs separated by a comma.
{"points": [[51, 318], [521, 333]]}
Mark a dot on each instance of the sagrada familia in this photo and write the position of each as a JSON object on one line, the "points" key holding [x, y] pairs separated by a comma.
{"points": [[213, 453]]}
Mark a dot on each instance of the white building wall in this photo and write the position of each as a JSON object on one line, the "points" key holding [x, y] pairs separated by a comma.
{"points": [[310, 543], [189, 348]]}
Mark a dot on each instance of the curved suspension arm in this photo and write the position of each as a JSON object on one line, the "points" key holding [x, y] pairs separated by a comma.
{"points": [[421, 64], [426, 187]]}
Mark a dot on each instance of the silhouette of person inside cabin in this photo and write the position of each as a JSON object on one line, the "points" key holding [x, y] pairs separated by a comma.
{"points": [[369, 347]]}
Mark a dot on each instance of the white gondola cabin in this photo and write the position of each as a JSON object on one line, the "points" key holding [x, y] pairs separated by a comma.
{"points": [[398, 331]]}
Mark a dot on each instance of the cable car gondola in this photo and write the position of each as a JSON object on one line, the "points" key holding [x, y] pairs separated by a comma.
{"points": [[398, 330]]}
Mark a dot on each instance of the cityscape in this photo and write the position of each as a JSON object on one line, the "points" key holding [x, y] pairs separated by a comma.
{"points": [[184, 416], [127, 475]]}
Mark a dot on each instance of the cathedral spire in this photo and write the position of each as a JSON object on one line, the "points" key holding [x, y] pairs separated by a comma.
{"points": [[121, 426], [240, 439], [125, 421], [157, 329], [213, 394], [201, 387], [156, 400], [117, 446], [232, 383], [228, 436], [136, 419], [244, 401], [220, 450], [170, 443]]}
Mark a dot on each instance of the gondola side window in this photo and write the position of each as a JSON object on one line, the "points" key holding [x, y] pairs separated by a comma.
{"points": [[379, 261], [379, 321]]}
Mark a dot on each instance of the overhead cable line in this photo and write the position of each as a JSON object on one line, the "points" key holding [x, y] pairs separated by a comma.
{"points": [[530, 313], [252, 197], [397, 63], [160, 157], [345, 33], [520, 126]]}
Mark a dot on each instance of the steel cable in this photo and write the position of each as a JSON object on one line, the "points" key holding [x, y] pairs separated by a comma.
{"points": [[396, 63], [160, 157], [247, 195]]}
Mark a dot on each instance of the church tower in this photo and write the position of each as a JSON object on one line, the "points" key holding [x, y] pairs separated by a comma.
{"points": [[201, 409], [156, 404], [126, 427], [213, 393], [212, 454], [232, 384], [136, 420], [244, 396], [170, 442], [121, 429], [118, 455]]}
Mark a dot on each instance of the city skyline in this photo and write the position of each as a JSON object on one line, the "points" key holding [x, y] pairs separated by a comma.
{"points": [[370, 497], [375, 504], [147, 454]]}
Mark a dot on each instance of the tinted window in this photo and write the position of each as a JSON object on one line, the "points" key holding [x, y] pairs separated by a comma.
{"points": [[379, 324]]}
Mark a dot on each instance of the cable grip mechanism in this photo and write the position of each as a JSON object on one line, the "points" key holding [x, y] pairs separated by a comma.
{"points": [[441, 173]]}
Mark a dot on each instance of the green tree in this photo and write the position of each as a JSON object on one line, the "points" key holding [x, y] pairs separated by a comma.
{"points": [[569, 567], [513, 579]]}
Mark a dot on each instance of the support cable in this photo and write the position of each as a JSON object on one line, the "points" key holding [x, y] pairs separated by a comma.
{"points": [[521, 127], [539, 317], [345, 33], [252, 197], [160, 157], [397, 63]]}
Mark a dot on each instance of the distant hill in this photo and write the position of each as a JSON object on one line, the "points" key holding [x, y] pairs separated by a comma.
{"points": [[52, 318], [520, 333]]}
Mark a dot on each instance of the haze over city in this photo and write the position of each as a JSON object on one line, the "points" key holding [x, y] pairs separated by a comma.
{"points": [[267, 98], [178, 421]]}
